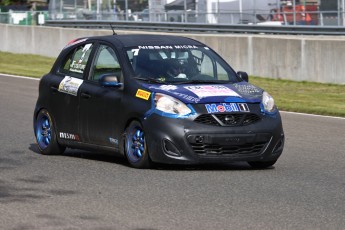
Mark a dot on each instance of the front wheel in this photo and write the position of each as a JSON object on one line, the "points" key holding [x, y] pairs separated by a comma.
{"points": [[136, 147], [261, 164], [45, 134]]}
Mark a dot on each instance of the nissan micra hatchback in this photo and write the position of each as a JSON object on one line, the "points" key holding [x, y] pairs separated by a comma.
{"points": [[155, 98]]}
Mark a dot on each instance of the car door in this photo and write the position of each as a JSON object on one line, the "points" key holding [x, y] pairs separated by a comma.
{"points": [[65, 91], [100, 107]]}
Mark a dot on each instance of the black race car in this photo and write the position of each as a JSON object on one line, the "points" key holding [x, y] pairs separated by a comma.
{"points": [[155, 98]]}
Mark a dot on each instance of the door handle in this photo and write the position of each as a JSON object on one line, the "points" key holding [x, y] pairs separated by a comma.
{"points": [[85, 95], [54, 89]]}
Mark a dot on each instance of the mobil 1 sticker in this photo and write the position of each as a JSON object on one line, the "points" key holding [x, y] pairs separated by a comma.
{"points": [[227, 107]]}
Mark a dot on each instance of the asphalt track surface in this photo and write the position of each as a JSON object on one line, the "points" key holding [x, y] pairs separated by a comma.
{"points": [[81, 190]]}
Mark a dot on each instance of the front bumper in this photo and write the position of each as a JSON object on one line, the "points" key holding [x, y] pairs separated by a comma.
{"points": [[184, 141]]}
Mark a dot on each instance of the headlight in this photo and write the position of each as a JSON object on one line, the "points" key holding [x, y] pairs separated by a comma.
{"points": [[171, 105], [268, 103]]}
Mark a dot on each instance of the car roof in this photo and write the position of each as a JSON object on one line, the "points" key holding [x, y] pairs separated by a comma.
{"points": [[149, 40]]}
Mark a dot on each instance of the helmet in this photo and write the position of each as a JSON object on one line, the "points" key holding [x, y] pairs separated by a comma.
{"points": [[176, 68]]}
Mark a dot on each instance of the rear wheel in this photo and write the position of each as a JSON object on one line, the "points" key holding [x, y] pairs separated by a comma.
{"points": [[135, 146], [45, 134], [261, 164]]}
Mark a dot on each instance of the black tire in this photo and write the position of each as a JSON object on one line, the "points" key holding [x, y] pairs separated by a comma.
{"points": [[136, 150], [45, 134], [261, 164]]}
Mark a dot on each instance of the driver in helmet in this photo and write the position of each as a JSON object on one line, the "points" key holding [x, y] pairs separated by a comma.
{"points": [[176, 69]]}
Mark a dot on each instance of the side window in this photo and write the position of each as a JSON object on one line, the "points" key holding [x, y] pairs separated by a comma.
{"points": [[204, 63], [76, 61], [221, 72], [209, 66], [106, 62]]}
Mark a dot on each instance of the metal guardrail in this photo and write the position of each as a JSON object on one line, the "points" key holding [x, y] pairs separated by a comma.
{"points": [[199, 28]]}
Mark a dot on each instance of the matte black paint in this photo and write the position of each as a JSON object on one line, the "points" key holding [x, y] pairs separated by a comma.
{"points": [[98, 113]]}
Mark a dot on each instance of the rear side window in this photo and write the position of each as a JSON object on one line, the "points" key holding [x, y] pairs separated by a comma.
{"points": [[75, 63], [106, 62]]}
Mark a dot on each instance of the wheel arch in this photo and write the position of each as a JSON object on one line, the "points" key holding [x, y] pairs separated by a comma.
{"points": [[36, 112], [123, 131]]}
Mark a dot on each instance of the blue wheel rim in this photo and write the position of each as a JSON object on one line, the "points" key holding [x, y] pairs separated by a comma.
{"points": [[43, 131], [135, 144]]}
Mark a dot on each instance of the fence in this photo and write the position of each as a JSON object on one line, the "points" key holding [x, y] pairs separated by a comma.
{"points": [[319, 18], [24, 17]]}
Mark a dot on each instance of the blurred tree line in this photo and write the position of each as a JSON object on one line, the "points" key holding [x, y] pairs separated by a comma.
{"points": [[13, 2]]}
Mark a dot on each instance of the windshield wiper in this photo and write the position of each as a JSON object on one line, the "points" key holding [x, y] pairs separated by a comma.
{"points": [[149, 79]]}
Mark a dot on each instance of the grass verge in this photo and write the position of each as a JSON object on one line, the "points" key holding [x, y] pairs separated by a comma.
{"points": [[304, 97], [25, 64]]}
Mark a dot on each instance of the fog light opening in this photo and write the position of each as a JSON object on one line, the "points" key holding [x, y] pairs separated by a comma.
{"points": [[278, 148], [170, 148], [199, 139]]}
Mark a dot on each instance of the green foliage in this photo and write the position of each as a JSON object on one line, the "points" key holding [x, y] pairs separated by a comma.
{"points": [[12, 2], [5, 2]]}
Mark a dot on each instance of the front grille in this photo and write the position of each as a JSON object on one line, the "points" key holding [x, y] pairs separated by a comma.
{"points": [[237, 119], [207, 119], [216, 149]]}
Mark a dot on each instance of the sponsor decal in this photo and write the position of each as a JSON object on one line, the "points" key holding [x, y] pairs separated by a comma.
{"points": [[168, 87], [155, 47], [211, 91], [114, 141], [247, 89], [77, 67], [70, 85], [85, 49], [164, 87], [227, 107], [185, 47], [169, 47], [69, 136], [143, 94], [243, 107], [187, 97]]}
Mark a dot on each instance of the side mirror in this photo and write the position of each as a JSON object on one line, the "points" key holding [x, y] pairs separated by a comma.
{"points": [[243, 75], [109, 80]]}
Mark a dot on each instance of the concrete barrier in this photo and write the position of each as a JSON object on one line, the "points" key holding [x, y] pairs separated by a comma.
{"points": [[300, 58]]}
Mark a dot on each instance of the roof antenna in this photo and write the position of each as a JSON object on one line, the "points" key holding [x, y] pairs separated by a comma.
{"points": [[114, 33]]}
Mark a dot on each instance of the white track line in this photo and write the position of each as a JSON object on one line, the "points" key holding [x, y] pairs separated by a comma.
{"points": [[304, 114], [313, 115], [22, 77]]}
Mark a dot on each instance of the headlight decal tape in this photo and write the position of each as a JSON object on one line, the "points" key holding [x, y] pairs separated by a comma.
{"points": [[263, 111], [175, 115], [153, 110], [153, 107]]}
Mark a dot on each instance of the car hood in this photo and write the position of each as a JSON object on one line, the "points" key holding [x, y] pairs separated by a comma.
{"points": [[210, 93]]}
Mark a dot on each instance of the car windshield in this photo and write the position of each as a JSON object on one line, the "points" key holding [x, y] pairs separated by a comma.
{"points": [[179, 64]]}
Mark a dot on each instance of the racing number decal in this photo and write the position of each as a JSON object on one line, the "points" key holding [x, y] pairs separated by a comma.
{"points": [[143, 94]]}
